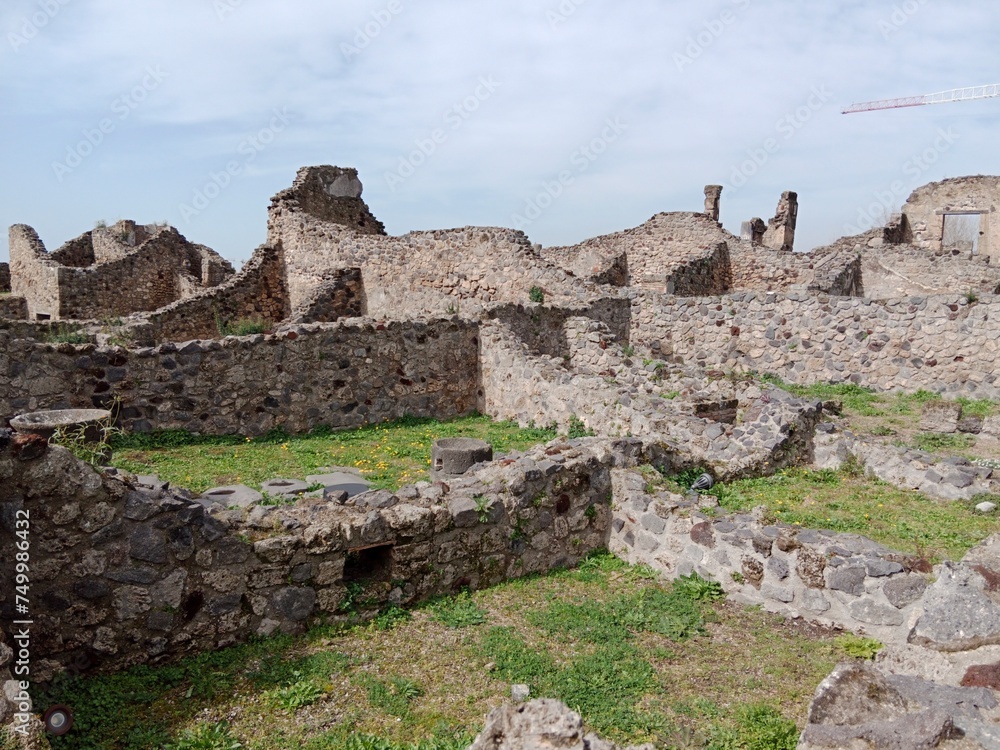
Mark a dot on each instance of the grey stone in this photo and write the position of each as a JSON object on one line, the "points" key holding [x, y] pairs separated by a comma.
{"points": [[294, 603], [283, 487], [902, 591], [940, 416], [873, 612], [375, 499], [986, 507], [958, 615], [814, 601], [778, 593], [463, 512], [850, 579], [224, 604], [143, 576], [233, 496], [139, 506], [778, 567], [653, 523], [520, 692], [148, 544], [879, 568]]}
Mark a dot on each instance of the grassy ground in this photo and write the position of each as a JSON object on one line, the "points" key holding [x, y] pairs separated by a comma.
{"points": [[639, 659], [388, 455], [904, 520], [895, 418]]}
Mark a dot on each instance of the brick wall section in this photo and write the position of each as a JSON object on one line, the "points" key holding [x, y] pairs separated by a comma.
{"points": [[940, 343], [342, 375], [122, 576], [257, 292]]}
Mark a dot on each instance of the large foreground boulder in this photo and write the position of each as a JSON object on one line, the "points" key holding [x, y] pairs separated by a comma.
{"points": [[859, 708]]}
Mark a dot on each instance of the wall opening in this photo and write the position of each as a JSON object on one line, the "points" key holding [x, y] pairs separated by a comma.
{"points": [[368, 564], [961, 232]]}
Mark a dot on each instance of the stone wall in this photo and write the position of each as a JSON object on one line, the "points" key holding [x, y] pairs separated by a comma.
{"points": [[4, 278], [341, 295], [342, 375], [941, 343], [256, 293], [612, 395], [926, 207], [542, 327], [830, 578], [834, 270], [122, 575], [418, 274], [73, 282], [780, 232], [13, 308], [905, 270], [33, 274]]}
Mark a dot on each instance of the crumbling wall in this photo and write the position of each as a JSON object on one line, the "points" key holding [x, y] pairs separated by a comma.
{"points": [[927, 206], [679, 252], [780, 232], [542, 327], [73, 282], [4, 278], [33, 275], [893, 271], [943, 343], [342, 295], [341, 375], [124, 575], [832, 270], [256, 293]]}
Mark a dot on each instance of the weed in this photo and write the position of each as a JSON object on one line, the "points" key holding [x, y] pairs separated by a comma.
{"points": [[536, 294], [65, 334], [391, 616], [936, 441], [577, 429], [737, 577], [628, 350], [458, 611], [698, 589], [78, 440], [241, 326], [297, 695], [971, 297], [207, 737], [670, 395], [394, 697], [483, 505], [858, 646]]}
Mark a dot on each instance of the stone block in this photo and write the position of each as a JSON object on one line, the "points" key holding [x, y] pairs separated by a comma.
{"points": [[902, 591], [940, 416], [850, 579]]}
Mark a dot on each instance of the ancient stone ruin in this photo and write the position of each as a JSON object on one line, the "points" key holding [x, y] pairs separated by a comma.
{"points": [[640, 336]]}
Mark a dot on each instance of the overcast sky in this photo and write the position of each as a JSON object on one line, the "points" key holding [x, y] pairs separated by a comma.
{"points": [[566, 119]]}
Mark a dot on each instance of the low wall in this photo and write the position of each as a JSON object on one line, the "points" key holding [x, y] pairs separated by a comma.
{"points": [[340, 375], [13, 308], [941, 343], [121, 575], [830, 578]]}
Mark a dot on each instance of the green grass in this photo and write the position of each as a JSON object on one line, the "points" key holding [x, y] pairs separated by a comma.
{"points": [[640, 659], [934, 442], [901, 519], [388, 455]]}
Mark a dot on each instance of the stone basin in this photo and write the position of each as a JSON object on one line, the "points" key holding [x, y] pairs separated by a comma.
{"points": [[45, 423], [451, 457]]}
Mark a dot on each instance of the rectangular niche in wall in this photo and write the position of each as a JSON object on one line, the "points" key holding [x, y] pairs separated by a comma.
{"points": [[368, 563], [961, 232]]}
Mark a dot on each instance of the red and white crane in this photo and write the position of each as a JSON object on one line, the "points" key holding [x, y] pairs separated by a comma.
{"points": [[941, 97]]}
